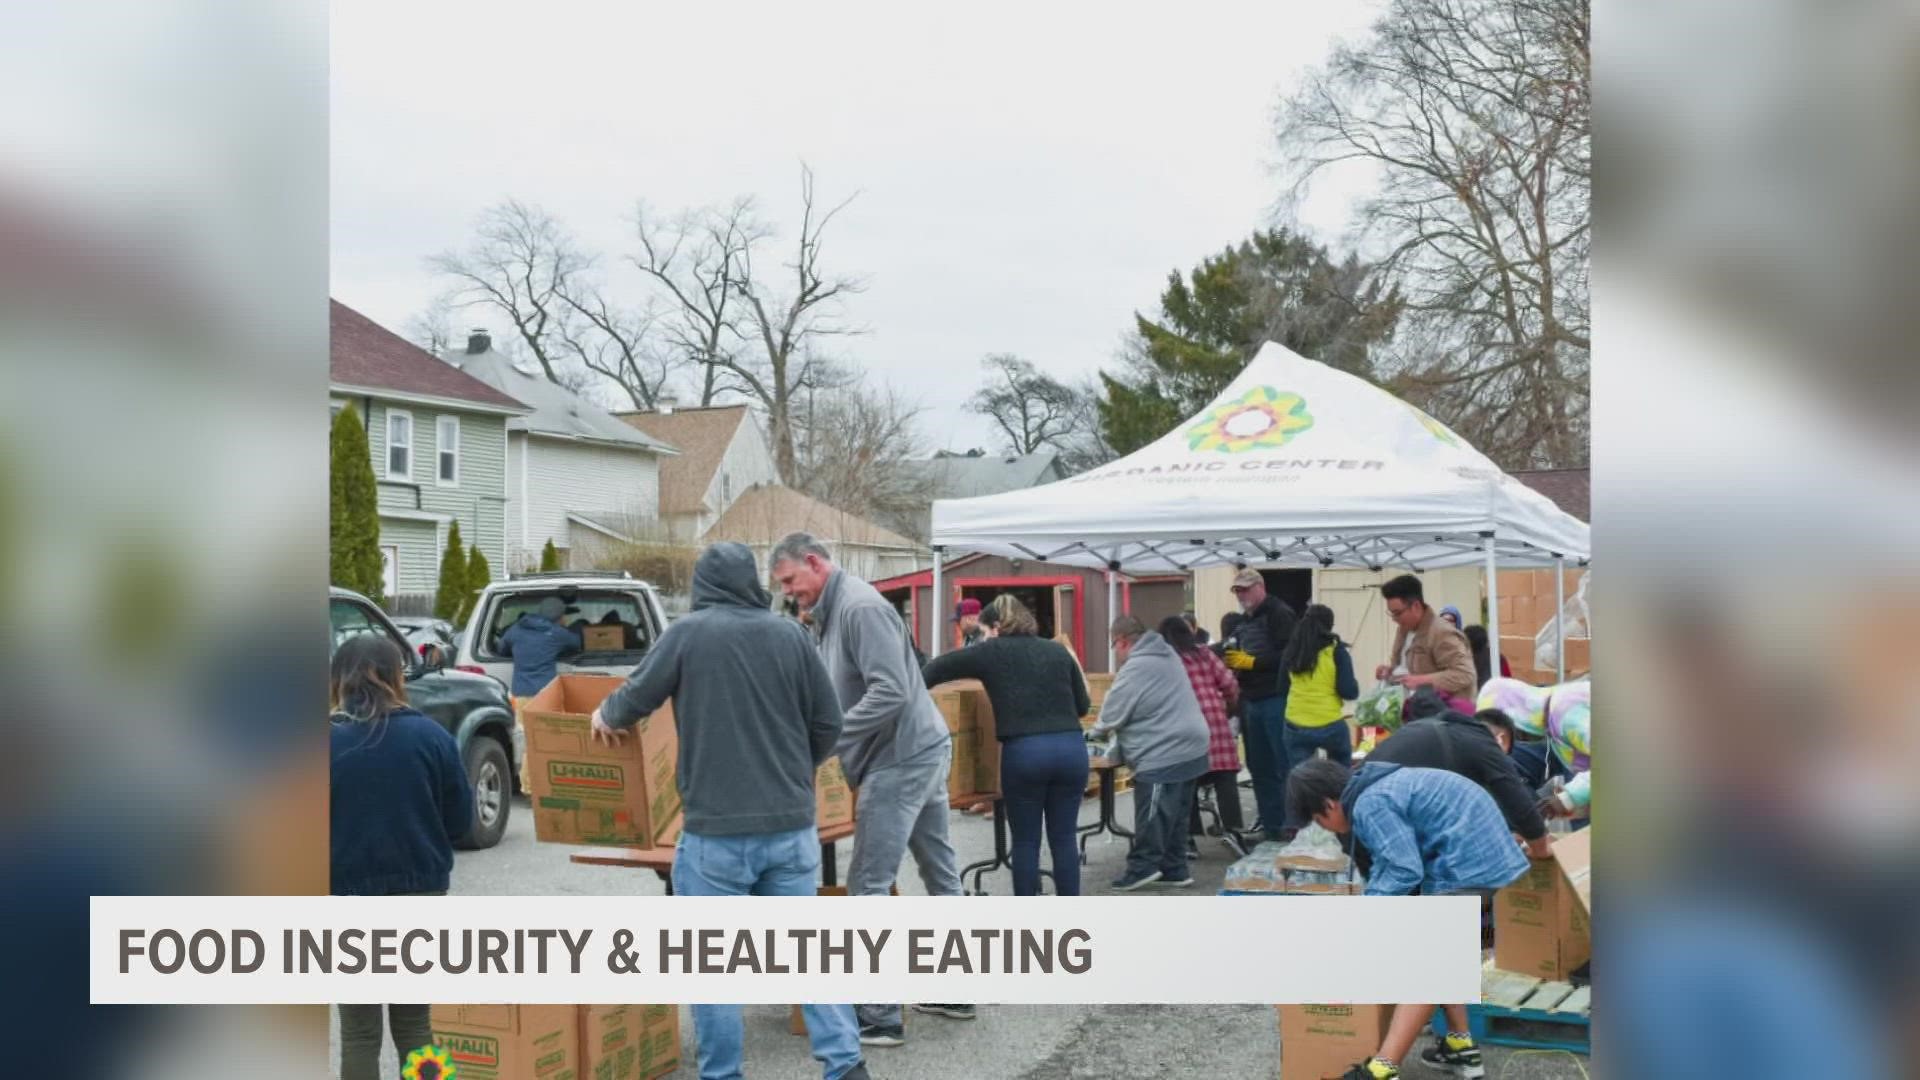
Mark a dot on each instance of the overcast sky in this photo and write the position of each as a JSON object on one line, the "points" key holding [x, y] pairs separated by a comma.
{"points": [[1027, 175]]}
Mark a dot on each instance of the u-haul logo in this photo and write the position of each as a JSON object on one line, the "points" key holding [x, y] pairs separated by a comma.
{"points": [[471, 1050], [585, 776]]}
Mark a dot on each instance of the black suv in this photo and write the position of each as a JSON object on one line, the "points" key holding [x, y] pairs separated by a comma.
{"points": [[473, 708]]}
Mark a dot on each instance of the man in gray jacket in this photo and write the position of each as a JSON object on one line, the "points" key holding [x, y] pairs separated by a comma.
{"points": [[756, 715], [1159, 731], [894, 746]]}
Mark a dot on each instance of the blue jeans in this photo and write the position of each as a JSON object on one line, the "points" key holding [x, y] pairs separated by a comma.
{"points": [[766, 864], [1266, 759], [1044, 777], [1299, 743]]}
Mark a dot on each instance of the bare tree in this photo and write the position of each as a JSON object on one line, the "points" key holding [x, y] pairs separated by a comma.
{"points": [[614, 343], [431, 328], [1031, 408], [1085, 446], [521, 264], [1475, 115], [857, 446], [790, 323], [698, 262]]}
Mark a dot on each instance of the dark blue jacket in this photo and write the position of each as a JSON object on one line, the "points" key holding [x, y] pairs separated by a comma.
{"points": [[535, 642], [400, 798]]}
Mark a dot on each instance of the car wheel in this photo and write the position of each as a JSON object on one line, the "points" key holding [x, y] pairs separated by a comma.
{"points": [[492, 780]]}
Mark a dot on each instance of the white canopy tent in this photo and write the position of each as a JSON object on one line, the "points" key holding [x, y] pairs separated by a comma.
{"points": [[1295, 463]]}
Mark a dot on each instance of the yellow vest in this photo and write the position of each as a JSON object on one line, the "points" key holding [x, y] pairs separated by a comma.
{"points": [[1312, 702]]}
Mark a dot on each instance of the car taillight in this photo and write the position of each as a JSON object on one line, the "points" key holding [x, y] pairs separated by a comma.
{"points": [[471, 669]]}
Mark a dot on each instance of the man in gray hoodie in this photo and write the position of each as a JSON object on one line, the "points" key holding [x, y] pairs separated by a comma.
{"points": [[756, 715], [1159, 731], [894, 746]]}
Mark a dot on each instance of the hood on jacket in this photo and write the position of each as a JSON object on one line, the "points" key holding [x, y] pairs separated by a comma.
{"points": [[1151, 644], [725, 575]]}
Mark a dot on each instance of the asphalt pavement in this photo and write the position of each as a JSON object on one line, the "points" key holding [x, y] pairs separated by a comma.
{"points": [[1015, 1042]]}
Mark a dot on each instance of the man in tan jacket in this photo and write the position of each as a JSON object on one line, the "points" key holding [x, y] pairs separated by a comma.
{"points": [[1427, 650]]}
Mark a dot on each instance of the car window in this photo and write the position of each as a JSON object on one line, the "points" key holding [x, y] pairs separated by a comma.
{"points": [[350, 620], [590, 607]]}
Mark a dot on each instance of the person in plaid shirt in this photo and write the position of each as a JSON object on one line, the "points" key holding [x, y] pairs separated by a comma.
{"points": [[1218, 692]]}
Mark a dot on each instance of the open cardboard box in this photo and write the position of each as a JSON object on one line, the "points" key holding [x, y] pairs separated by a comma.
{"points": [[1540, 923], [583, 792]]}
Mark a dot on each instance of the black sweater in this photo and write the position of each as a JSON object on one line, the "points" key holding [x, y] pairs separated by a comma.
{"points": [[1463, 745], [1033, 683]]}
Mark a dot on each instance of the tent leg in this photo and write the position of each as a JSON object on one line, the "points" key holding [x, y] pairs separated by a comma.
{"points": [[1559, 618], [1113, 600], [939, 605], [1493, 603]]}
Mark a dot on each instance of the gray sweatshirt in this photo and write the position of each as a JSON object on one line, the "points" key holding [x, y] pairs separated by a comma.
{"points": [[1152, 711], [756, 712], [890, 717]]}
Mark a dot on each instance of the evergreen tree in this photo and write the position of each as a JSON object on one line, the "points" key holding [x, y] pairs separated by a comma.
{"points": [[549, 557], [450, 597], [353, 518], [479, 576]]}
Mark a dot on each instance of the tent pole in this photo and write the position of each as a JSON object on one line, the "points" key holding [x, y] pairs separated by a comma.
{"points": [[1559, 618], [1493, 602], [939, 605], [1113, 600]]}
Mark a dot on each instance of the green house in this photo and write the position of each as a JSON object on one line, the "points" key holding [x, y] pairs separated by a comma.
{"points": [[439, 443]]}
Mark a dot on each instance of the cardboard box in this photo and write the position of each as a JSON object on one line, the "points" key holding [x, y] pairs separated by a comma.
{"points": [[1322, 1041], [510, 1042], [1540, 923], [960, 778], [604, 638], [986, 747], [623, 795], [1097, 686], [628, 1042], [955, 702], [832, 796]]}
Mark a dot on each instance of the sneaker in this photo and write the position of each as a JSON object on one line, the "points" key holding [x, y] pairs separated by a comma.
{"points": [[1180, 882], [1457, 1054], [1373, 1069], [1130, 881], [951, 1012], [882, 1035]]}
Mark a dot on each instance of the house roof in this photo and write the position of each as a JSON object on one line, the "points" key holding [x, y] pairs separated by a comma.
{"points": [[765, 513], [702, 437], [1570, 489], [557, 411], [965, 476], [367, 356]]}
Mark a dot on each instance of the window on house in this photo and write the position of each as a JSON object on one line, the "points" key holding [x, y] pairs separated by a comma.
{"points": [[726, 487], [449, 449], [400, 445]]}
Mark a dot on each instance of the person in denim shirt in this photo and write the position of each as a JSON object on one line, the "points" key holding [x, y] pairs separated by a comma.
{"points": [[1431, 833]]}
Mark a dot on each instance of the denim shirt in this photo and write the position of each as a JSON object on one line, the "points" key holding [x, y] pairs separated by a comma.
{"points": [[1432, 831]]}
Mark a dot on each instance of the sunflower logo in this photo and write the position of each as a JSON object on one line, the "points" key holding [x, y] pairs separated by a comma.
{"points": [[1263, 418], [428, 1063]]}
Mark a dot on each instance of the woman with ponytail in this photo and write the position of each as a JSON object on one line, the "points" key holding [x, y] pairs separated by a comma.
{"points": [[1320, 672]]}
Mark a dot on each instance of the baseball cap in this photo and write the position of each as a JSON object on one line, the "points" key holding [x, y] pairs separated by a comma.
{"points": [[967, 607], [1247, 578]]}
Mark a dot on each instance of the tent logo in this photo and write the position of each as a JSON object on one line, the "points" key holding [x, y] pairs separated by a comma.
{"points": [[1435, 427], [1262, 419], [429, 1063]]}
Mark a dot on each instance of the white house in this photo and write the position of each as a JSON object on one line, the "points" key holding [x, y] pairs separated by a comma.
{"points": [[723, 454], [576, 475]]}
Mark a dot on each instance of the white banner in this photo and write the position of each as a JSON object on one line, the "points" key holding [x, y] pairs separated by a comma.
{"points": [[203, 950]]}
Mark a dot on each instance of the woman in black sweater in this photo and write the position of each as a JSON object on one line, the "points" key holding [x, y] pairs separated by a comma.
{"points": [[1038, 697]]}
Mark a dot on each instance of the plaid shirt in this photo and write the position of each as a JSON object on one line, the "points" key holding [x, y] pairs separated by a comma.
{"points": [[1217, 690], [1435, 832]]}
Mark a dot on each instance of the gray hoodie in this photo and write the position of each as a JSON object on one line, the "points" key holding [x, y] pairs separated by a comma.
{"points": [[890, 716], [1152, 710], [756, 712]]}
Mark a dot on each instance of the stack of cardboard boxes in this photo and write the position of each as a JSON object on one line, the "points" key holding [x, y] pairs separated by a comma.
{"points": [[976, 750], [1526, 606], [627, 794], [559, 1042]]}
